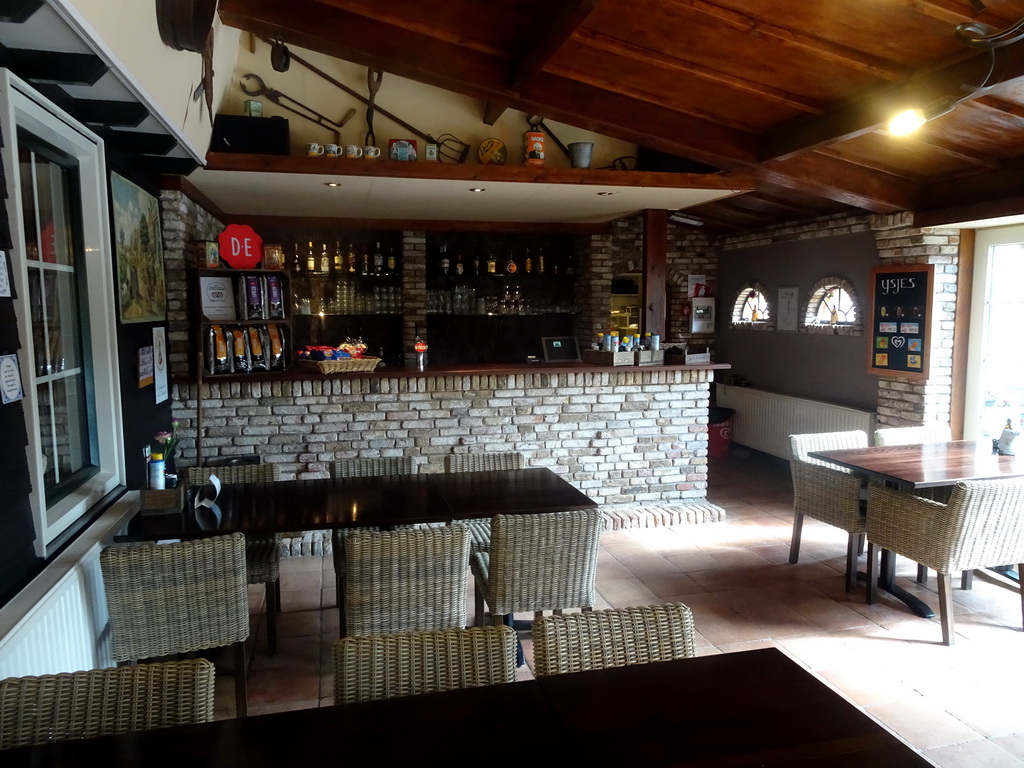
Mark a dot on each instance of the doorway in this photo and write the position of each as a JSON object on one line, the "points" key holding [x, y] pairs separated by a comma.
{"points": [[995, 379]]}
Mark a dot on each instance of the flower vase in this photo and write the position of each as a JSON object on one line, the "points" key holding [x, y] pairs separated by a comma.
{"points": [[170, 471]]}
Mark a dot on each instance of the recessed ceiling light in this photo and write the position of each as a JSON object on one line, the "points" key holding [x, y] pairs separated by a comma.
{"points": [[477, 189], [604, 194], [331, 184]]}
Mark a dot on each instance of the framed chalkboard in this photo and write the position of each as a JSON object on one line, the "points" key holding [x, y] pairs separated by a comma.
{"points": [[899, 328]]}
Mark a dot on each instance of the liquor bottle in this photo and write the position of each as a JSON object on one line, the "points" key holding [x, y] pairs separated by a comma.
{"points": [[350, 257], [391, 260], [297, 260], [443, 262], [476, 263], [528, 266], [492, 265], [378, 260], [325, 260], [339, 258], [540, 261], [311, 259], [510, 266], [460, 268], [366, 260], [569, 268]]}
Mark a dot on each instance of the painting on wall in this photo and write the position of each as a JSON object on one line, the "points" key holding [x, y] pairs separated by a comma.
{"points": [[139, 248]]}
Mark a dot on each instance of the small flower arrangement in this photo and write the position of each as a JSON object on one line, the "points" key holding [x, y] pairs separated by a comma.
{"points": [[167, 441]]}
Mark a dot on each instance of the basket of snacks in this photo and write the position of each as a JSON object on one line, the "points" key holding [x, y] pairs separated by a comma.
{"points": [[346, 358]]}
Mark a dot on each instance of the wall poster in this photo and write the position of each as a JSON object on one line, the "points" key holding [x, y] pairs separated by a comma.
{"points": [[899, 328]]}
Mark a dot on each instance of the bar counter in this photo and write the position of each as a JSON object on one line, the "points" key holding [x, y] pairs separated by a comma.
{"points": [[620, 434]]}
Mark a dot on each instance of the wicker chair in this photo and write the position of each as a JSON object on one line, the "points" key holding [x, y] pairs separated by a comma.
{"points": [[262, 553], [480, 529], [404, 581], [373, 467], [103, 702], [982, 525], [389, 666], [927, 433], [827, 493], [165, 599], [538, 563], [616, 637]]}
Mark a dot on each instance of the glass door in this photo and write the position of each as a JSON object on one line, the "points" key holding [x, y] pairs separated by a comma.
{"points": [[996, 372]]}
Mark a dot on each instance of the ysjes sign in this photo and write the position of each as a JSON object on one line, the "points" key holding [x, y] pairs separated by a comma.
{"points": [[240, 246]]}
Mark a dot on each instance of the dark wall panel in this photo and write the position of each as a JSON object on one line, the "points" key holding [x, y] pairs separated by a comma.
{"points": [[819, 367]]}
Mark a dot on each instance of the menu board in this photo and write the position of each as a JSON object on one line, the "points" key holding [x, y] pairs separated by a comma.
{"points": [[899, 328]]}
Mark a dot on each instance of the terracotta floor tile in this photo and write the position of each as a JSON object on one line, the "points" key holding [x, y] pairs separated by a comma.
{"points": [[921, 723], [973, 754]]}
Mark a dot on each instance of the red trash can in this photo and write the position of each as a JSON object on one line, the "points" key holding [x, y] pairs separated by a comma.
{"points": [[719, 432]]}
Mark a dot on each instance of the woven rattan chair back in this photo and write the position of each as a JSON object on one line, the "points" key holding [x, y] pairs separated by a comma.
{"points": [[540, 562], [827, 493], [483, 462], [405, 580], [618, 637], [928, 433], [374, 467], [103, 702], [165, 599], [389, 666], [262, 553]]}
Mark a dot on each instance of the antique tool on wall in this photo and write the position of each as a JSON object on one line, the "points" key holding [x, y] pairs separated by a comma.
{"points": [[373, 80], [310, 114], [450, 148], [537, 123]]}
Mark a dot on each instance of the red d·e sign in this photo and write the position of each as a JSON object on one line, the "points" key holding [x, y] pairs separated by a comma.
{"points": [[240, 246]]}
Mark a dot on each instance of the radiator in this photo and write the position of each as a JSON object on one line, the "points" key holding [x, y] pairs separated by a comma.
{"points": [[764, 420]]}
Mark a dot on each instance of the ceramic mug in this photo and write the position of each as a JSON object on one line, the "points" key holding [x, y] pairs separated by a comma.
{"points": [[353, 151], [332, 150], [314, 150], [371, 153]]}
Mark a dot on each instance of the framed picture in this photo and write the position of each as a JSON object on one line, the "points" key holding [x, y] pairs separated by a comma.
{"points": [[140, 252], [901, 320], [788, 309]]}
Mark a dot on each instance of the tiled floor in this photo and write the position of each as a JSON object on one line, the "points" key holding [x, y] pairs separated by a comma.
{"points": [[960, 705]]}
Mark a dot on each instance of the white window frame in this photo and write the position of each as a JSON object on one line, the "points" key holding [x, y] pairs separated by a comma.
{"points": [[22, 107]]}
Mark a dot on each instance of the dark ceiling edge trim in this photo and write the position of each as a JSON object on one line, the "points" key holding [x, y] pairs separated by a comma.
{"points": [[993, 209], [443, 225]]}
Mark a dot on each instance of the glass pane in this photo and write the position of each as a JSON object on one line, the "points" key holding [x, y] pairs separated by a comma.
{"points": [[1002, 375], [28, 203], [62, 425], [51, 186], [62, 320]]}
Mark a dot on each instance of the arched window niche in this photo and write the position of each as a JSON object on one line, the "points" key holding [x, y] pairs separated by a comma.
{"points": [[833, 308], [752, 308]]}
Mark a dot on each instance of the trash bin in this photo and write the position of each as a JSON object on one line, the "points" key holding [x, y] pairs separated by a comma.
{"points": [[719, 432]]}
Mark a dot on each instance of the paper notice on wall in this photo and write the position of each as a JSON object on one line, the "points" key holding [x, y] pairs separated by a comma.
{"points": [[5, 280], [160, 363], [10, 379], [696, 285]]}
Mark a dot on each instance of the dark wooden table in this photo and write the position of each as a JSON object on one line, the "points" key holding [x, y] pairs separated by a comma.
{"points": [[932, 465], [916, 467], [306, 505], [755, 708]]}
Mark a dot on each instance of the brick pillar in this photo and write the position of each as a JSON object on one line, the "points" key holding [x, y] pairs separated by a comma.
{"points": [[902, 401], [414, 292]]}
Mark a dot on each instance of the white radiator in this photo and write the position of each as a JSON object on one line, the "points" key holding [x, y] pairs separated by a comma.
{"points": [[764, 420]]}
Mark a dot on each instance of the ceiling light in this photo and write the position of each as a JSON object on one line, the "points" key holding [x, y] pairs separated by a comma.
{"points": [[477, 189], [906, 122], [685, 218], [331, 184]]}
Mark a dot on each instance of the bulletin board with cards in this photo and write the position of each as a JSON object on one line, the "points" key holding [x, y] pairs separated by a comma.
{"points": [[899, 327]]}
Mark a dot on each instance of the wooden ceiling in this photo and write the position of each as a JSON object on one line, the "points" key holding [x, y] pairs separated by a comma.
{"points": [[794, 93]]}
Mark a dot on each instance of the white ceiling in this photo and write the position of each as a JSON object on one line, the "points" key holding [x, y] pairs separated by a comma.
{"points": [[371, 197]]}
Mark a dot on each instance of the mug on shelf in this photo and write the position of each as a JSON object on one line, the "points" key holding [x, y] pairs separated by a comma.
{"points": [[370, 152], [314, 150], [352, 151], [332, 150]]}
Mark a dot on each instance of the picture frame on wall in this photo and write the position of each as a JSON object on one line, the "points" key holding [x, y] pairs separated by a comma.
{"points": [[138, 245], [787, 318], [899, 328]]}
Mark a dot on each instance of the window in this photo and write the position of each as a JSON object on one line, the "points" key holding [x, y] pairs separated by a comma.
{"points": [[62, 274], [835, 306], [752, 308]]}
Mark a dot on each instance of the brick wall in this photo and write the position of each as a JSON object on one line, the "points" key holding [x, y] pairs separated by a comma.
{"points": [[633, 435]]}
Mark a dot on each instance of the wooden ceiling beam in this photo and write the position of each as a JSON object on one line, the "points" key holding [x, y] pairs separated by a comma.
{"points": [[873, 110], [492, 112], [564, 19]]}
